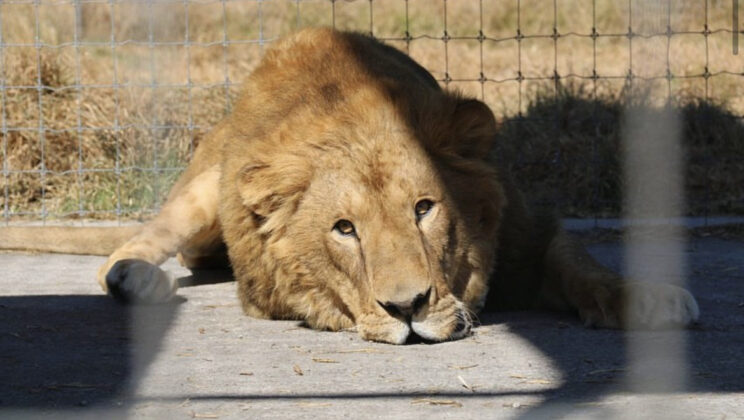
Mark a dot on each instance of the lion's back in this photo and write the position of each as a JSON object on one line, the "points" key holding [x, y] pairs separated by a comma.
{"points": [[317, 68]]}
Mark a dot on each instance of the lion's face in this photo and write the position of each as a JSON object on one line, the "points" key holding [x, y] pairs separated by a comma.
{"points": [[395, 238], [384, 223]]}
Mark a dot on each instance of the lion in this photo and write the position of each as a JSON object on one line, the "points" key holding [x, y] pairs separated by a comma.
{"points": [[348, 190]]}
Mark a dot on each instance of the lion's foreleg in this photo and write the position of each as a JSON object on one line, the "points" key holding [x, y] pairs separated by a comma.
{"points": [[605, 299], [131, 273]]}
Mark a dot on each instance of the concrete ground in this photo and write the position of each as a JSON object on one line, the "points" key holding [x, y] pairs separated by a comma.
{"points": [[68, 351]]}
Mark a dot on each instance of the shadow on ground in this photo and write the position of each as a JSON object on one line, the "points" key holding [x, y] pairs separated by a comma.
{"points": [[74, 350], [598, 365], [68, 352]]}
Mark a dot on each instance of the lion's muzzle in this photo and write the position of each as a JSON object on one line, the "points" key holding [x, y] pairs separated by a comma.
{"points": [[406, 307], [424, 316]]}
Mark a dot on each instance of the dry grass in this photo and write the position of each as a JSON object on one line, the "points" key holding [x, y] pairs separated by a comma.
{"points": [[102, 128]]}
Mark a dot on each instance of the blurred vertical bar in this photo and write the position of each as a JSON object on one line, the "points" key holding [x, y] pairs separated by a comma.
{"points": [[652, 159], [148, 324], [735, 27], [4, 123]]}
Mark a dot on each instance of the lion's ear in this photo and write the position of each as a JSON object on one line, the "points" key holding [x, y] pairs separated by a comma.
{"points": [[474, 129], [268, 189]]}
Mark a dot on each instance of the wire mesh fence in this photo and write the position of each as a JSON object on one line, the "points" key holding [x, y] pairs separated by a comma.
{"points": [[103, 101]]}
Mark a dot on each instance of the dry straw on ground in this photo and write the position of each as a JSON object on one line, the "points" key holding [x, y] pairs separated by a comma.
{"points": [[102, 108]]}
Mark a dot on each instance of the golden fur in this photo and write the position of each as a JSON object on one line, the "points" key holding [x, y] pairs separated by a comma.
{"points": [[350, 191]]}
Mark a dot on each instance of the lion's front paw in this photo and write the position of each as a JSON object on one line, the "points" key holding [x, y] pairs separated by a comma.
{"points": [[384, 329], [641, 306], [652, 306], [137, 281]]}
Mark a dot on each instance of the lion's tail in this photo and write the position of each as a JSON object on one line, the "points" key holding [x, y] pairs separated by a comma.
{"points": [[66, 239]]}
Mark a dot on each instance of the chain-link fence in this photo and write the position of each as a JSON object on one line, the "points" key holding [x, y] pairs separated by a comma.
{"points": [[103, 101]]}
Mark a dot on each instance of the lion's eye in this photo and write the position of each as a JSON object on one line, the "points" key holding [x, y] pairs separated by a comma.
{"points": [[344, 227], [423, 208]]}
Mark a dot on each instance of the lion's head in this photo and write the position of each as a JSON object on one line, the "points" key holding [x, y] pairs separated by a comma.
{"points": [[379, 212]]}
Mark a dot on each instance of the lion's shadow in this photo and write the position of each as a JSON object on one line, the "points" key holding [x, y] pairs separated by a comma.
{"points": [[594, 363]]}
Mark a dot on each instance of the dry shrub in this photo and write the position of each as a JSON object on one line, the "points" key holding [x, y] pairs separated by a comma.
{"points": [[96, 129], [566, 150]]}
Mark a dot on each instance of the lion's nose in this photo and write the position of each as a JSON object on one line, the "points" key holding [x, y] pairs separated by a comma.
{"points": [[406, 308]]}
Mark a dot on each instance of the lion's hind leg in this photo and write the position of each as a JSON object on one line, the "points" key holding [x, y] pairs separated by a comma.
{"points": [[604, 298], [131, 273]]}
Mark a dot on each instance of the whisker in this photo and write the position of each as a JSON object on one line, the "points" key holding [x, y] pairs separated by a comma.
{"points": [[472, 317]]}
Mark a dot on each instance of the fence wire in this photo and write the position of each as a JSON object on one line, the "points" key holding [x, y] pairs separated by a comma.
{"points": [[103, 101]]}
